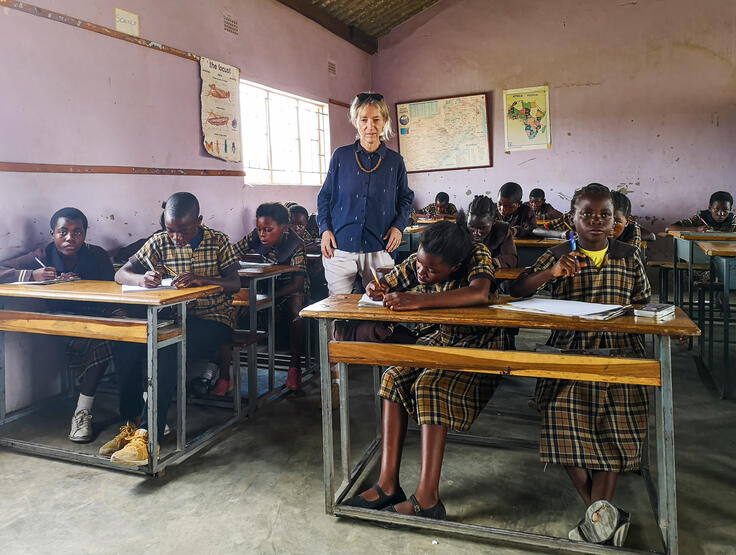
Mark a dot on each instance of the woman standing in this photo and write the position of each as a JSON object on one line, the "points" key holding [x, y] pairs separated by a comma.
{"points": [[365, 201]]}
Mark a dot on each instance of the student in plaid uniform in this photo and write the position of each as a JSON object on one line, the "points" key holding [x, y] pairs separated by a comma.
{"points": [[193, 255], [625, 229], [447, 270], [274, 241], [718, 216], [596, 430], [542, 209], [519, 216], [70, 256], [440, 208], [496, 235]]}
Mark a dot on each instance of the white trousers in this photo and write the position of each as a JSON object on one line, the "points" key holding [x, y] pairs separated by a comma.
{"points": [[340, 270]]}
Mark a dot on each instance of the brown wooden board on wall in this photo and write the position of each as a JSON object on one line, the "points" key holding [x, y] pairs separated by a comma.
{"points": [[445, 133]]}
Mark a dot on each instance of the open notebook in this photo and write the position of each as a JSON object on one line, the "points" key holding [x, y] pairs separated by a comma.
{"points": [[561, 307], [165, 284], [366, 302]]}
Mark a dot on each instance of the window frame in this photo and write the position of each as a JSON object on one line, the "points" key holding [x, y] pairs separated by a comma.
{"points": [[322, 127]]}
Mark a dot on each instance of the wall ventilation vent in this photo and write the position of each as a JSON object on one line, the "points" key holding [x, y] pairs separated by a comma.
{"points": [[230, 24], [331, 67]]}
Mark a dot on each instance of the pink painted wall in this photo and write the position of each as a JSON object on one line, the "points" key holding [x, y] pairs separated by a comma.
{"points": [[72, 96], [643, 94]]}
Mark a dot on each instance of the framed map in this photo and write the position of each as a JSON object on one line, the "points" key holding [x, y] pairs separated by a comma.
{"points": [[448, 133], [526, 119]]}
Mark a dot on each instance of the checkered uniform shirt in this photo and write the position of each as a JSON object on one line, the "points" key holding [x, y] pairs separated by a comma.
{"points": [[213, 257], [729, 224], [595, 425], [431, 209]]}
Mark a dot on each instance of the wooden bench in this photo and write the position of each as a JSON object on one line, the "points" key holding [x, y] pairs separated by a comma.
{"points": [[133, 330], [242, 298], [664, 267], [517, 363]]}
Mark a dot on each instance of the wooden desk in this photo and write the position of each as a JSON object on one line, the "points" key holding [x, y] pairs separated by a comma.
{"points": [[250, 277], [684, 249], [117, 329], [722, 265], [504, 362]]}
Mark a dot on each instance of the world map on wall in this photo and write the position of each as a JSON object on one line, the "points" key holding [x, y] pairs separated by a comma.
{"points": [[444, 134]]}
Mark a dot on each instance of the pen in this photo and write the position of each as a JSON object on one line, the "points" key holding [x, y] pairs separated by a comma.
{"points": [[375, 277], [172, 272], [41, 263], [567, 226], [572, 242], [148, 262], [699, 216]]}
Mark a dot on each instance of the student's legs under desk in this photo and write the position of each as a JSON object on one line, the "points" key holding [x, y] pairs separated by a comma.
{"points": [[665, 510]]}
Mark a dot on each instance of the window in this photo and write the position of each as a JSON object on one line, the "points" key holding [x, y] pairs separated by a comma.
{"points": [[286, 138]]}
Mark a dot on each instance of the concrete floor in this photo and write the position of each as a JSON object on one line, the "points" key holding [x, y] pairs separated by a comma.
{"points": [[260, 489]]}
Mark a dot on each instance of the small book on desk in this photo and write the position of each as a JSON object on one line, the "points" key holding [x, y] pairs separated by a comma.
{"points": [[246, 264], [655, 310], [165, 284], [44, 282], [366, 302]]}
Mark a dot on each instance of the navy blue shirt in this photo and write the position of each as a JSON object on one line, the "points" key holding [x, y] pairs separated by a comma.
{"points": [[359, 207]]}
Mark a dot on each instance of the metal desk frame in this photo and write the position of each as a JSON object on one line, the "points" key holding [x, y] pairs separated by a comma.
{"points": [[254, 400], [662, 498], [156, 464]]}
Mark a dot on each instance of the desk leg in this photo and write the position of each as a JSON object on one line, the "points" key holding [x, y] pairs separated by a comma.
{"points": [[271, 334], [726, 320], [181, 389], [378, 401], [342, 375], [3, 405], [666, 481], [691, 244], [328, 450], [152, 401], [252, 349], [675, 274]]}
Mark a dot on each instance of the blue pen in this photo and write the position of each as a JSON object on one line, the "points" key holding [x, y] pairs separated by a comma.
{"points": [[572, 241]]}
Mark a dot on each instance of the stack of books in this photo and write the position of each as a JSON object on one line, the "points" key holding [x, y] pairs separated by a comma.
{"points": [[658, 311]]}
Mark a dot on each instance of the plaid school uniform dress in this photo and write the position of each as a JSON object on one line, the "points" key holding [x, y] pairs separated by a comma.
{"points": [[431, 210], [289, 251], [631, 235], [213, 257], [729, 224], [559, 223], [82, 353], [595, 425], [443, 397]]}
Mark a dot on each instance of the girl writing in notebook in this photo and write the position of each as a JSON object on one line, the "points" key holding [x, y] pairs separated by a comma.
{"points": [[447, 270], [596, 430]]}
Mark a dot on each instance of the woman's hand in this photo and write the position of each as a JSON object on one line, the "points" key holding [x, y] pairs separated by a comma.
{"points": [[328, 244], [394, 239], [42, 274], [569, 265], [402, 301], [376, 291]]}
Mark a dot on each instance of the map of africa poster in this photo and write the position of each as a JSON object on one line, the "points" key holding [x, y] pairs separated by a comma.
{"points": [[526, 118]]}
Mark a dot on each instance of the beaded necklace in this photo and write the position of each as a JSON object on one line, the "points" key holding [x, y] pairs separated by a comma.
{"points": [[361, 165]]}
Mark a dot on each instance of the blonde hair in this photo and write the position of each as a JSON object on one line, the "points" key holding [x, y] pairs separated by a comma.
{"points": [[371, 99]]}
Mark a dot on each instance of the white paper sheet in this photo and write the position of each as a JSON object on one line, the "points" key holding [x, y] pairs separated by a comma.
{"points": [[165, 284], [366, 302], [558, 307], [244, 264]]}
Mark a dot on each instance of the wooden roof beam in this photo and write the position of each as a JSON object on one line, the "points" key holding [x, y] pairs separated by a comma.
{"points": [[349, 33]]}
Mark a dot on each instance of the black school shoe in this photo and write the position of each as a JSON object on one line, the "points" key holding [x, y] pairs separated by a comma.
{"points": [[380, 503], [437, 512]]}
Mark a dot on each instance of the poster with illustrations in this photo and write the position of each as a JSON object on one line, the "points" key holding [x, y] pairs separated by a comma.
{"points": [[526, 119], [221, 109]]}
